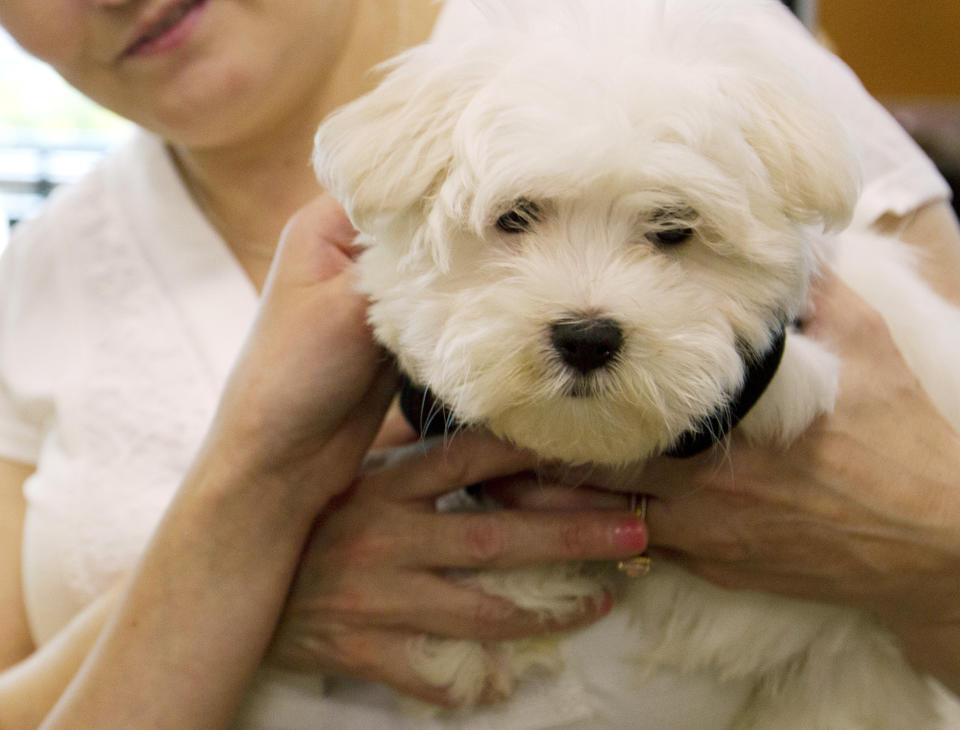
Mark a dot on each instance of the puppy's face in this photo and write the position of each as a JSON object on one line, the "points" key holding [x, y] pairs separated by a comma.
{"points": [[579, 250]]}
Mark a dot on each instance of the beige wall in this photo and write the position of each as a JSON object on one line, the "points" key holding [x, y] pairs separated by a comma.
{"points": [[899, 48]]}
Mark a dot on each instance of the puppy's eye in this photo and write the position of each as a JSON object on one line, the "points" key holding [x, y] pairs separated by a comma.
{"points": [[672, 226], [671, 236], [520, 218]]}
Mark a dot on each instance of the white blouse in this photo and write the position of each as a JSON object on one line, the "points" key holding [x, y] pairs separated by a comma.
{"points": [[121, 313]]}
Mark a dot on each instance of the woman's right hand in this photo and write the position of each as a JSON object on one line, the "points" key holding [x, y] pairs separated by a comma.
{"points": [[311, 386], [372, 576]]}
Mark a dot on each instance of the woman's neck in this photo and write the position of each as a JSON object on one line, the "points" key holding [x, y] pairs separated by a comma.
{"points": [[250, 187], [247, 192]]}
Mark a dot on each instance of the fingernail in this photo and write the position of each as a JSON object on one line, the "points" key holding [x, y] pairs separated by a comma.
{"points": [[631, 536]]}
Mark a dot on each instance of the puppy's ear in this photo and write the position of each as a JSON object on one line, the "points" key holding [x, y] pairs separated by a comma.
{"points": [[390, 149], [807, 153]]}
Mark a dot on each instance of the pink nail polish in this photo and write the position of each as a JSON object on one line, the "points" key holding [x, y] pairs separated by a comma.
{"points": [[631, 536]]}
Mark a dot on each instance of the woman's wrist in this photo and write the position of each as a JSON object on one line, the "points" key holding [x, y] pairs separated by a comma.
{"points": [[252, 458], [227, 478]]}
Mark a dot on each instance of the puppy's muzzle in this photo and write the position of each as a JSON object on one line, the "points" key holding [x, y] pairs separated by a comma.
{"points": [[586, 344]]}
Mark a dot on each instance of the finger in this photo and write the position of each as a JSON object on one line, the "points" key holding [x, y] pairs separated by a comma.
{"points": [[532, 493], [703, 528], [657, 476], [395, 430], [382, 655], [315, 245], [509, 538], [434, 467], [660, 476], [362, 423], [322, 221]]}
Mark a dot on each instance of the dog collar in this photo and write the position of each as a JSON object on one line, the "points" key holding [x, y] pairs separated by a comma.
{"points": [[713, 428], [431, 418]]}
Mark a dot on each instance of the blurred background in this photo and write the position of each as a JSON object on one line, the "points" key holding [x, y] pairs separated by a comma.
{"points": [[908, 56], [49, 133], [906, 53]]}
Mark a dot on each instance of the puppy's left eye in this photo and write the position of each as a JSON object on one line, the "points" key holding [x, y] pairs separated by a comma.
{"points": [[671, 236], [672, 226], [520, 218]]}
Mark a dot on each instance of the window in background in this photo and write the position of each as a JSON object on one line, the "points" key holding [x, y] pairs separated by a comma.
{"points": [[908, 57], [49, 133]]}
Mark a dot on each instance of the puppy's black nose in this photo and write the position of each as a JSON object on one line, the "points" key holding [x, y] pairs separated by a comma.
{"points": [[586, 344]]}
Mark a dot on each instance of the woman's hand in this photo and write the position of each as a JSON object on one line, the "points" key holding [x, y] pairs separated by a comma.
{"points": [[863, 509], [373, 575], [311, 387]]}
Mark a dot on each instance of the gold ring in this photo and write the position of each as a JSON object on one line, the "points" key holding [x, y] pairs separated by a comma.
{"points": [[638, 565]]}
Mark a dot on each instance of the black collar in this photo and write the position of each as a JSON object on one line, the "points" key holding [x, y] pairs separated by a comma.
{"points": [[431, 418], [713, 428]]}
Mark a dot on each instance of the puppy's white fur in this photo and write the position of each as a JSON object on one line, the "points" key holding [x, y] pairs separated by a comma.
{"points": [[617, 119]]}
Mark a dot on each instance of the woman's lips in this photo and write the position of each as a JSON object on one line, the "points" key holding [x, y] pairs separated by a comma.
{"points": [[169, 31]]}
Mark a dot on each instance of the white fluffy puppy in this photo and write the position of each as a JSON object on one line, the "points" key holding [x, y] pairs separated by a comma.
{"points": [[589, 229]]}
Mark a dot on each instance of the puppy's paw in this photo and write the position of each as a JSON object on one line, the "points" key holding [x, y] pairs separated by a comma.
{"points": [[472, 673], [478, 673], [557, 592]]}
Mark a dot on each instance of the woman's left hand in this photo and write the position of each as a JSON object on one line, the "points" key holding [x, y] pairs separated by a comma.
{"points": [[862, 510]]}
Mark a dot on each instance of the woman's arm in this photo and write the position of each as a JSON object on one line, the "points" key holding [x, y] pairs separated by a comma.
{"points": [[933, 230], [190, 631], [30, 683], [303, 403], [29, 689]]}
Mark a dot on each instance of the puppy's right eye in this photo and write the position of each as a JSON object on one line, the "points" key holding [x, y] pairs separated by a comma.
{"points": [[520, 218]]}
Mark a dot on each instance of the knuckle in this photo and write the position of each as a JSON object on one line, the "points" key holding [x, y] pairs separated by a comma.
{"points": [[353, 605], [355, 655], [365, 547], [485, 540], [454, 467]]}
